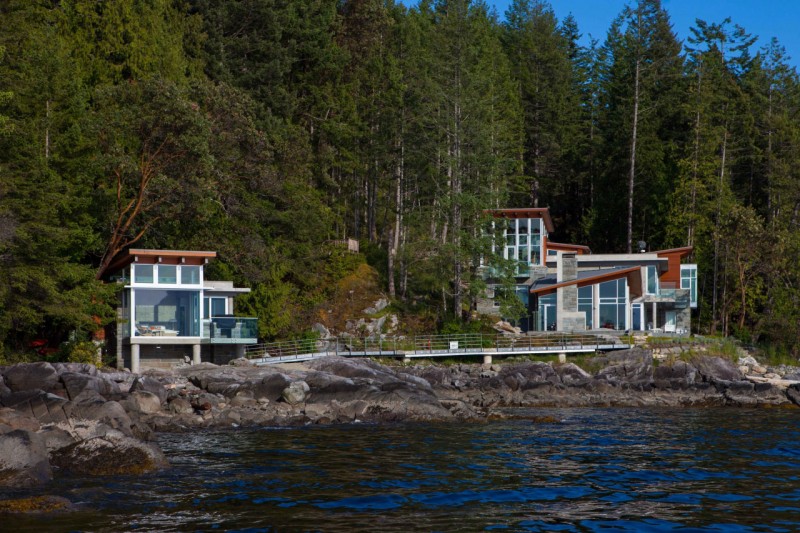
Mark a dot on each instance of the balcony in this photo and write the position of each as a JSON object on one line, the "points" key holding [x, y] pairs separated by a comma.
{"points": [[669, 293], [230, 330]]}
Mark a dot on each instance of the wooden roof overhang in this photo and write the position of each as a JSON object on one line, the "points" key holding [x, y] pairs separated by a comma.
{"points": [[168, 257], [525, 212], [633, 274], [580, 249], [673, 257]]}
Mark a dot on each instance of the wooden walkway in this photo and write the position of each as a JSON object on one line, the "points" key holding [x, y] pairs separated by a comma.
{"points": [[427, 346]]}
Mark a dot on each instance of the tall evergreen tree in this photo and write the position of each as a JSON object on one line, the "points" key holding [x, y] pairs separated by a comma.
{"points": [[641, 91]]}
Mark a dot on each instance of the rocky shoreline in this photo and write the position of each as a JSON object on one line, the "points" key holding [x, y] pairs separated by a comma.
{"points": [[66, 418]]}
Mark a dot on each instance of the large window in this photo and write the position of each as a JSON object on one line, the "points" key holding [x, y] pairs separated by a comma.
{"points": [[689, 281], [524, 243], [143, 273], [167, 274], [612, 306], [585, 301], [652, 280], [162, 274], [168, 313], [190, 275]]}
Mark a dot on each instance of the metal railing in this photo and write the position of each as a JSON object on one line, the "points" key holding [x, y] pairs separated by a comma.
{"points": [[229, 327], [421, 345]]}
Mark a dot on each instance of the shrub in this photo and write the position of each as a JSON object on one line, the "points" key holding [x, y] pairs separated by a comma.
{"points": [[79, 352]]}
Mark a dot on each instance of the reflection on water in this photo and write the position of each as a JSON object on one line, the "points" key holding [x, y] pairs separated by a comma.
{"points": [[598, 470]]}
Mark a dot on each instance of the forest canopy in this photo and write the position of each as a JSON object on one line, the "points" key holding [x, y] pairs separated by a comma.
{"points": [[265, 129]]}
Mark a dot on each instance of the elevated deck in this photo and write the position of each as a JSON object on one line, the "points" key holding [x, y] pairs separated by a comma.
{"points": [[427, 346]]}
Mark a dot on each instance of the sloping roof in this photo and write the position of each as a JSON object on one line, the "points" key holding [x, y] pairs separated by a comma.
{"points": [[591, 277], [580, 248], [525, 212], [681, 252]]}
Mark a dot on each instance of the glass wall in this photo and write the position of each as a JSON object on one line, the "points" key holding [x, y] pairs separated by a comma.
{"points": [[169, 313], [585, 301], [524, 243], [689, 281], [612, 306]]}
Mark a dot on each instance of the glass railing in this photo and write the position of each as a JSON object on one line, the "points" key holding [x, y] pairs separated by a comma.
{"points": [[230, 328]]}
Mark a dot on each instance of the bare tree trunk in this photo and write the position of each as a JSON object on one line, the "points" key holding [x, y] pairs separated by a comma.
{"points": [[47, 131], [716, 231], [394, 235], [632, 170], [695, 166]]}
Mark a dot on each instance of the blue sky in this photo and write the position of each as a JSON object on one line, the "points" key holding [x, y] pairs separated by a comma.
{"points": [[764, 18]]}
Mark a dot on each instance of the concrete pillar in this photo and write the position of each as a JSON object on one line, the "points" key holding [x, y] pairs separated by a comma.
{"points": [[135, 358], [562, 357], [195, 354], [487, 359], [240, 352]]}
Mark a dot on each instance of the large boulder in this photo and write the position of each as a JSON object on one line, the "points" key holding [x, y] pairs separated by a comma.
{"points": [[295, 393], [632, 367], [715, 369], [572, 374], [30, 376], [151, 385], [109, 455], [95, 408], [77, 383], [271, 387], [3, 387], [141, 401], [180, 406], [678, 375], [23, 459]]}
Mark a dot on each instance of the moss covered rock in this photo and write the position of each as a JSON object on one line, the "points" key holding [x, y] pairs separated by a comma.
{"points": [[111, 454]]}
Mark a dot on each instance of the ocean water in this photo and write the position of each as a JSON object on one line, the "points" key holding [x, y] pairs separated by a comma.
{"points": [[596, 470]]}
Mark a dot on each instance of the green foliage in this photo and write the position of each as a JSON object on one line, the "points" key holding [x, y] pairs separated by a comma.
{"points": [[265, 129], [273, 302], [79, 351]]}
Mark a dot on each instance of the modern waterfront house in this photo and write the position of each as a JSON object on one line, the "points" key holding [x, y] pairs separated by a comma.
{"points": [[170, 314], [565, 287]]}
